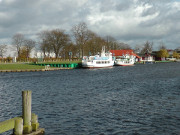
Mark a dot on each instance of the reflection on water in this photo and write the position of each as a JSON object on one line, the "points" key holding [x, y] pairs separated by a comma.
{"points": [[137, 100]]}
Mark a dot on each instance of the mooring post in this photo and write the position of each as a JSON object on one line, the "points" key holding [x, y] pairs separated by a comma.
{"points": [[18, 126], [35, 124], [26, 111]]}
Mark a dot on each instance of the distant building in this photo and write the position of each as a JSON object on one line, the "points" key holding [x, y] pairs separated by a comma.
{"points": [[170, 52], [40, 54], [177, 50], [124, 52], [147, 56], [170, 57]]}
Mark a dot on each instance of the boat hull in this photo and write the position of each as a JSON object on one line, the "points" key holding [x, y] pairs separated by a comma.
{"points": [[119, 63], [90, 65], [97, 67], [125, 60], [124, 64]]}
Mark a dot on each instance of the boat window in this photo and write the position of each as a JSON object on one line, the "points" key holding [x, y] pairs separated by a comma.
{"points": [[98, 62]]}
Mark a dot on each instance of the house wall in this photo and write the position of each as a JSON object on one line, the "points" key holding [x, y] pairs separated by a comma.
{"points": [[147, 58]]}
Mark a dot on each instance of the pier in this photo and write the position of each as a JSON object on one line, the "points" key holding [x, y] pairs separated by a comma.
{"points": [[25, 124], [59, 65], [34, 70]]}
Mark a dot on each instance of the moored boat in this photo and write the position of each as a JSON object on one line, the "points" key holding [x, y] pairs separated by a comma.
{"points": [[105, 59], [125, 60]]}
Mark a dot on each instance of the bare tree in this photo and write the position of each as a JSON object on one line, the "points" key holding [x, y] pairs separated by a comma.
{"points": [[3, 49], [148, 47], [69, 50], [162, 46], [45, 47], [81, 35], [137, 48], [17, 41], [111, 43], [54, 40], [124, 46], [58, 39], [29, 44], [94, 44]]}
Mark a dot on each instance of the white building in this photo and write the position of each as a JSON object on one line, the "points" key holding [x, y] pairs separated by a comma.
{"points": [[40, 54]]}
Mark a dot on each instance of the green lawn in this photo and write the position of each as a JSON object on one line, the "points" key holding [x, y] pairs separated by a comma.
{"points": [[163, 61], [19, 66]]}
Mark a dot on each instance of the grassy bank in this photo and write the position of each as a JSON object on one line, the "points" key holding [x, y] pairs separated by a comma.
{"points": [[155, 62], [163, 61], [22, 66], [19, 67]]}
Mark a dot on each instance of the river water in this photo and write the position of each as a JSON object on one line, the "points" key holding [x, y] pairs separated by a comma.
{"points": [[137, 100]]}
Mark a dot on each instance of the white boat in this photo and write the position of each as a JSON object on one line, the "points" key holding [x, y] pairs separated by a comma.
{"points": [[98, 61], [125, 60]]}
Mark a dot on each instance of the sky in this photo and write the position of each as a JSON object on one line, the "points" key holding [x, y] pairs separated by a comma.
{"points": [[130, 21]]}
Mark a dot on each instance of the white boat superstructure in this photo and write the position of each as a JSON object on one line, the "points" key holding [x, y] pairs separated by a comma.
{"points": [[98, 61], [125, 60]]}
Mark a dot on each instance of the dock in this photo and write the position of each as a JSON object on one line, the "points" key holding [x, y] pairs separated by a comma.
{"points": [[34, 70], [59, 65], [27, 124]]}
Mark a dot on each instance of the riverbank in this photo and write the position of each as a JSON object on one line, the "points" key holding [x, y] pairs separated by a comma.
{"points": [[34, 67], [19, 66], [47, 66], [34, 70], [154, 62]]}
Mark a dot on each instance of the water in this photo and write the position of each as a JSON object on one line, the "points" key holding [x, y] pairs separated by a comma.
{"points": [[138, 100]]}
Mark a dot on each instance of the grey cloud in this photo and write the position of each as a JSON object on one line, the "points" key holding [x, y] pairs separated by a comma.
{"points": [[31, 16], [107, 5], [115, 5], [150, 11], [167, 18], [165, 26], [124, 5]]}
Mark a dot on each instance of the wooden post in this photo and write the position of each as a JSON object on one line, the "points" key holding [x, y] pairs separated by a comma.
{"points": [[26, 111], [7, 125], [35, 124], [18, 126]]}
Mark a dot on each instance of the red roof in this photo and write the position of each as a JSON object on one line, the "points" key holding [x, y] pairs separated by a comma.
{"points": [[136, 55], [123, 52]]}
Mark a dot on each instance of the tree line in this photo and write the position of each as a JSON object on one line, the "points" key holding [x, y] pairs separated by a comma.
{"points": [[161, 53], [83, 42]]}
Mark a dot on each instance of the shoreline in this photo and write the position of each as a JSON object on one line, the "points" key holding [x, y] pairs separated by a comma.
{"points": [[52, 68], [33, 70]]}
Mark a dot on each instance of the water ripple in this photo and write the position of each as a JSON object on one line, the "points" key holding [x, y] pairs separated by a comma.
{"points": [[138, 100]]}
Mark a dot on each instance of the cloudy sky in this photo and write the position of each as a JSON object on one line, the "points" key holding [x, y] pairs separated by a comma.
{"points": [[129, 21]]}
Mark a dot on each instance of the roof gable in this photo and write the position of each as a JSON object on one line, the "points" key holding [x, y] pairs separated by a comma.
{"points": [[123, 52]]}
